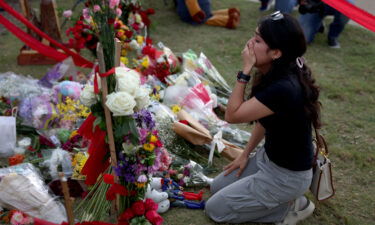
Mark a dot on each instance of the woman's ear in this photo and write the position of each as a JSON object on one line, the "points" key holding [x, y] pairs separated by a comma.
{"points": [[276, 53]]}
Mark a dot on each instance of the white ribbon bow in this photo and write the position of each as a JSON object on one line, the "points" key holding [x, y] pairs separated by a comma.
{"points": [[216, 141]]}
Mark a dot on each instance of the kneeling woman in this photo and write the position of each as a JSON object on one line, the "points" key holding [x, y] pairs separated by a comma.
{"points": [[284, 104]]}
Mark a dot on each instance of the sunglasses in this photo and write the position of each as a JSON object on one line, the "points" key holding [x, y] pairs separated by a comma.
{"points": [[276, 16]]}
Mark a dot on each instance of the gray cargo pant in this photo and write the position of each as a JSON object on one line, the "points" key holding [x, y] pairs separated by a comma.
{"points": [[262, 193]]}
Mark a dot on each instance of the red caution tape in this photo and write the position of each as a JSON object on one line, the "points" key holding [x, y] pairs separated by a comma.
{"points": [[353, 12]]}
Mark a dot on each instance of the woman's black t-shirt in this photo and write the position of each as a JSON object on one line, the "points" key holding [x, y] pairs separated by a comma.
{"points": [[288, 138]]}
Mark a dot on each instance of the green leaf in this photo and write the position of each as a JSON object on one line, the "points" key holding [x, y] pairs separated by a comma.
{"points": [[97, 122]]}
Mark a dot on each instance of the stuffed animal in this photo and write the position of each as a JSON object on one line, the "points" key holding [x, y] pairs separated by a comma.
{"points": [[199, 12], [161, 198]]}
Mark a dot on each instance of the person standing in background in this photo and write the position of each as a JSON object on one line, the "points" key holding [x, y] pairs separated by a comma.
{"points": [[284, 6], [311, 19]]}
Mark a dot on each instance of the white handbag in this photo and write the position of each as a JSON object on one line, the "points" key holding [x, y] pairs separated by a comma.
{"points": [[322, 184], [8, 136]]}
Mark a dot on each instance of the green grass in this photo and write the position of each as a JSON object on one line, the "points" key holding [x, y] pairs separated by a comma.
{"points": [[347, 81]]}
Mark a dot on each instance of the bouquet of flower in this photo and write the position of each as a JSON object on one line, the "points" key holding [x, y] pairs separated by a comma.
{"points": [[128, 18], [137, 146]]}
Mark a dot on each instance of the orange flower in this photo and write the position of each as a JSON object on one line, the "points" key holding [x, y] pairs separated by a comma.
{"points": [[16, 159]]}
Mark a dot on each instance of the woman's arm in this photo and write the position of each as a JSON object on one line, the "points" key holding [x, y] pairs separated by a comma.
{"points": [[241, 161], [238, 110]]}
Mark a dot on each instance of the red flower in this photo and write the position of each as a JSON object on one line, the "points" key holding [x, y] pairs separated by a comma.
{"points": [[111, 21], [135, 26], [109, 179], [16, 159], [148, 41], [115, 189], [31, 149], [126, 215], [128, 33], [149, 51], [150, 205], [138, 208], [154, 217], [150, 11]]}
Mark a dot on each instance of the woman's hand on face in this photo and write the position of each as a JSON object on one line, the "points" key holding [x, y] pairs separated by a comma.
{"points": [[239, 163], [248, 57]]}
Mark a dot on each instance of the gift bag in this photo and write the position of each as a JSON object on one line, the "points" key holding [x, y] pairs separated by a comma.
{"points": [[8, 135], [322, 184]]}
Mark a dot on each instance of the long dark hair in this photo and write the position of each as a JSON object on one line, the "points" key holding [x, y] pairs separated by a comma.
{"points": [[286, 35]]}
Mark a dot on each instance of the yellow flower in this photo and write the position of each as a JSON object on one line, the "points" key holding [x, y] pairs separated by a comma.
{"points": [[145, 62], [153, 138], [139, 39], [79, 161], [74, 133], [140, 185], [149, 147], [124, 60], [176, 108], [156, 96], [123, 52]]}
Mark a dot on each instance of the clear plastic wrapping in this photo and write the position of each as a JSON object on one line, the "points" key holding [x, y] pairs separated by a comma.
{"points": [[22, 188]]}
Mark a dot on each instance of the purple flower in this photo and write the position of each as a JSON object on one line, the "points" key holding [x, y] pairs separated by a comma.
{"points": [[144, 119], [139, 168], [143, 135], [125, 169]]}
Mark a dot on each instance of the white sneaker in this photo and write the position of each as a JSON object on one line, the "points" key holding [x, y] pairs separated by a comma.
{"points": [[296, 215]]}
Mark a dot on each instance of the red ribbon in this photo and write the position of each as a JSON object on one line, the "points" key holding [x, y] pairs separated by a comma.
{"points": [[353, 12], [37, 45], [106, 74], [98, 150]]}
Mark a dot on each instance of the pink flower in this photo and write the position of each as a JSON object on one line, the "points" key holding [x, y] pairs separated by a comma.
{"points": [[113, 3], [86, 13], [17, 218], [96, 8], [67, 13], [118, 12], [142, 179]]}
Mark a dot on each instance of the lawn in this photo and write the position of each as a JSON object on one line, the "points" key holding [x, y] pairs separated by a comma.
{"points": [[347, 81]]}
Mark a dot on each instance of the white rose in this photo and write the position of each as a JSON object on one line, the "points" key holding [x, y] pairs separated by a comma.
{"points": [[127, 80], [87, 96], [142, 98], [120, 103]]}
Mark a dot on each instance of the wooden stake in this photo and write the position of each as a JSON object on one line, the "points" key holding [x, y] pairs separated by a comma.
{"points": [[107, 113], [117, 52], [67, 198]]}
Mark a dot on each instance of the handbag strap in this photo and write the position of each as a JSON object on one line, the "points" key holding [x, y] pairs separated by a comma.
{"points": [[321, 145]]}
